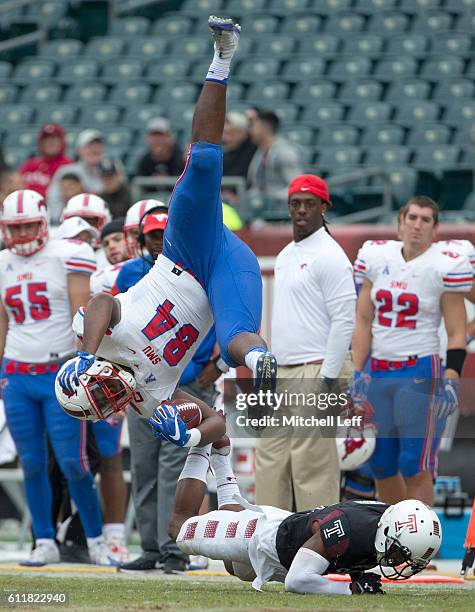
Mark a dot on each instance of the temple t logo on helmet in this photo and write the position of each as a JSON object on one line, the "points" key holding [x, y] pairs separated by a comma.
{"points": [[103, 389]]}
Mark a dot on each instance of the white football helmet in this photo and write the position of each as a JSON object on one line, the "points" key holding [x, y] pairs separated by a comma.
{"points": [[19, 208], [90, 207], [356, 447], [132, 222], [409, 534], [104, 389]]}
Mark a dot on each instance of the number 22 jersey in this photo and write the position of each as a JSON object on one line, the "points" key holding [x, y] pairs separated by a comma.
{"points": [[406, 295]]}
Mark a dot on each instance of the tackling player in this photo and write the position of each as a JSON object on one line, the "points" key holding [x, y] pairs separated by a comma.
{"points": [[205, 271], [407, 288], [41, 282], [263, 543]]}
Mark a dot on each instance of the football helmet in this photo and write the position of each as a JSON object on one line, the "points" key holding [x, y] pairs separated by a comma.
{"points": [[356, 447], [132, 222], [409, 534], [103, 389], [19, 208], [89, 206]]}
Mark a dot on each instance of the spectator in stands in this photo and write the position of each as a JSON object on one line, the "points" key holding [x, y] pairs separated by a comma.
{"points": [[90, 148], [275, 162], [70, 185], [237, 145], [312, 321], [164, 157], [37, 173], [116, 188]]}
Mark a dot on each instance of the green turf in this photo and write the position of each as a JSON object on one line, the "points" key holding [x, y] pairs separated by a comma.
{"points": [[149, 594]]}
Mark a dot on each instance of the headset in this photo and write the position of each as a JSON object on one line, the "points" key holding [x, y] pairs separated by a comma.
{"points": [[141, 235]]}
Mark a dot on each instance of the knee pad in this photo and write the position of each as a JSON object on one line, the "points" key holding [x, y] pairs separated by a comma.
{"points": [[73, 469], [32, 466]]}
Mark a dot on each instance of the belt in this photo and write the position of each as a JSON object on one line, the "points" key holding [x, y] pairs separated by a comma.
{"points": [[296, 365], [20, 367], [384, 364]]}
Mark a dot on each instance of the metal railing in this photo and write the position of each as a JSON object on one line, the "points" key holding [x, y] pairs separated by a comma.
{"points": [[38, 36]]}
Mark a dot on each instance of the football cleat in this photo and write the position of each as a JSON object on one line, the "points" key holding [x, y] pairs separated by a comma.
{"points": [[265, 380], [44, 553], [99, 553], [225, 35], [117, 548]]}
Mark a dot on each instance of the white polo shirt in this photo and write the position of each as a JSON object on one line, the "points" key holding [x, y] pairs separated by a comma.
{"points": [[313, 278]]}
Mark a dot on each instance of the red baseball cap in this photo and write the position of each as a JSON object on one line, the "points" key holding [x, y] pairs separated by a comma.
{"points": [[155, 221], [310, 183]]}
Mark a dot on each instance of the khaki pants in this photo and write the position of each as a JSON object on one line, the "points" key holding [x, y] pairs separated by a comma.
{"points": [[304, 470]]}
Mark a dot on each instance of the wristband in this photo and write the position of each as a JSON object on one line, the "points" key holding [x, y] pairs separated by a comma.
{"points": [[221, 364], [454, 360], [194, 439]]}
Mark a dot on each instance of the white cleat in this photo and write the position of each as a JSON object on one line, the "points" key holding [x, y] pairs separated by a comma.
{"points": [[99, 553], [44, 553], [117, 548], [198, 562], [225, 34]]}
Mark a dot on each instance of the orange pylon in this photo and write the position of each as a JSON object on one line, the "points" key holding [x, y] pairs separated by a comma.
{"points": [[469, 557]]}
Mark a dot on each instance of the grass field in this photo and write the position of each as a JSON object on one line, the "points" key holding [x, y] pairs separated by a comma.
{"points": [[197, 594]]}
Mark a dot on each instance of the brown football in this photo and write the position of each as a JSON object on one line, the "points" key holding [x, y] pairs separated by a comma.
{"points": [[190, 412]]}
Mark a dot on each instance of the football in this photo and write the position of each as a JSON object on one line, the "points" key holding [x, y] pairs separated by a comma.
{"points": [[190, 412]]}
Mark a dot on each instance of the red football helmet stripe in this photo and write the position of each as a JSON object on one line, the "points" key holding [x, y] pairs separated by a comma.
{"points": [[20, 203], [143, 207], [86, 200]]}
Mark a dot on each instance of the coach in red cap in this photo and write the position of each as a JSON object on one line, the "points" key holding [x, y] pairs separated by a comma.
{"points": [[312, 323]]}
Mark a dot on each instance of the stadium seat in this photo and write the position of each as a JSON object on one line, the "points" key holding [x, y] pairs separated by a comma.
{"points": [[176, 92], [191, 47], [322, 113], [370, 45], [413, 112], [125, 68], [300, 24], [105, 47], [458, 5], [64, 114], [432, 22], [256, 25], [327, 7], [25, 138], [388, 23], [383, 134], [39, 93], [299, 134], [338, 135], [235, 92], [465, 22], [275, 45], [436, 157], [332, 158], [460, 112], [284, 7], [130, 26], [387, 155], [345, 22], [8, 93], [325, 45], [243, 7], [371, 6], [408, 44], [457, 183], [167, 70], [451, 43], [61, 50], [463, 137], [430, 134], [308, 91], [99, 114], [419, 5], [46, 12], [353, 92], [16, 114], [416, 89], [31, 71], [369, 112], [257, 69], [403, 183], [73, 71], [286, 111], [205, 7], [397, 67], [131, 92], [308, 67], [442, 67], [117, 136], [139, 115], [350, 68], [181, 115], [15, 155], [445, 91], [83, 93], [268, 91], [470, 70], [147, 47]]}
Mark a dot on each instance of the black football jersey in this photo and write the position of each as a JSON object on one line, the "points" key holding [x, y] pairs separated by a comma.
{"points": [[347, 529]]}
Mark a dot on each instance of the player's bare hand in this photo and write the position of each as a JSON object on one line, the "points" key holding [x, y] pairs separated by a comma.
{"points": [[208, 375]]}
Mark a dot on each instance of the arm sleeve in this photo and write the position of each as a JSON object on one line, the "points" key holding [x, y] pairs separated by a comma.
{"points": [[360, 267], [342, 315], [78, 257], [305, 575]]}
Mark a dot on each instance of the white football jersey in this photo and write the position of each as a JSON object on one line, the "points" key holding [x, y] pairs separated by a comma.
{"points": [[164, 318], [34, 292], [406, 296], [102, 281]]}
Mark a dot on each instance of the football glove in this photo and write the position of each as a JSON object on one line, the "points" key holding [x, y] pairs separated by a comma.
{"points": [[358, 390], [70, 375], [167, 424], [366, 584], [447, 399]]}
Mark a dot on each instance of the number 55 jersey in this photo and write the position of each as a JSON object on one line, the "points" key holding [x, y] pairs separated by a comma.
{"points": [[34, 292], [406, 295]]}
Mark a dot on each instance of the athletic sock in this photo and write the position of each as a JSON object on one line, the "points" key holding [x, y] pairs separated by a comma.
{"points": [[197, 463], [252, 357], [226, 485], [113, 528]]}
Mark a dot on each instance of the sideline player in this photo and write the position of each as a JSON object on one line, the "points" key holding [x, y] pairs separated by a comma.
{"points": [[204, 271], [116, 253], [263, 543], [42, 282], [406, 290]]}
